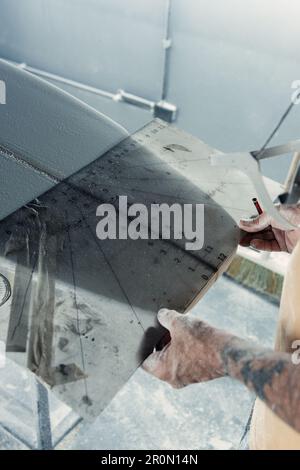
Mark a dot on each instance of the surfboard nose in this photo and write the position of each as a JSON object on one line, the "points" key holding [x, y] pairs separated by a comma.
{"points": [[46, 135]]}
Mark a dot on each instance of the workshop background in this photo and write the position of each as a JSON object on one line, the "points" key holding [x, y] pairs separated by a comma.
{"points": [[228, 66], [221, 70]]}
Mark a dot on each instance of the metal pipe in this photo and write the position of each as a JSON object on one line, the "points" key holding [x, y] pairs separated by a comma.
{"points": [[167, 43], [162, 109], [66, 81]]}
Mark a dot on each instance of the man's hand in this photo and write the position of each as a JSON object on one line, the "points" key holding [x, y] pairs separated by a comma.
{"points": [[266, 234], [198, 352], [193, 354]]}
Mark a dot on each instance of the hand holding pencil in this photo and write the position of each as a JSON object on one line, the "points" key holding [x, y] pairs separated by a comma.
{"points": [[265, 234]]}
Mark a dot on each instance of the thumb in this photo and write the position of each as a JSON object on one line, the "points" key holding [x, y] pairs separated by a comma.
{"points": [[167, 317], [256, 225], [153, 363]]}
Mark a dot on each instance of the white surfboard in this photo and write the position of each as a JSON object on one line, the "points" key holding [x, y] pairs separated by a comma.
{"points": [[45, 136]]}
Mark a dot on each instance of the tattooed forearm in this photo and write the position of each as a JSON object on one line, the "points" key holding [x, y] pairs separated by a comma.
{"points": [[272, 376]]}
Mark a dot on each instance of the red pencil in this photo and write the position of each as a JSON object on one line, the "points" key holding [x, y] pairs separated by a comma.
{"points": [[257, 205]]}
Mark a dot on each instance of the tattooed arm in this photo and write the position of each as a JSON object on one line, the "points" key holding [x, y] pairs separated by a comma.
{"points": [[272, 376], [198, 352]]}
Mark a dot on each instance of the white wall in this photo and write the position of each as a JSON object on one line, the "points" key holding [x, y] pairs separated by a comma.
{"points": [[231, 65], [105, 43]]}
